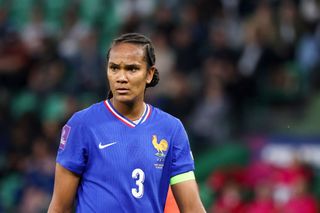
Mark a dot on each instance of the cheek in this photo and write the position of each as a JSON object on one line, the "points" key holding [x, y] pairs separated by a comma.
{"points": [[110, 80], [140, 82]]}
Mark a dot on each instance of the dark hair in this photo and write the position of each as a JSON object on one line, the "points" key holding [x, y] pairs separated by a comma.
{"points": [[139, 39]]}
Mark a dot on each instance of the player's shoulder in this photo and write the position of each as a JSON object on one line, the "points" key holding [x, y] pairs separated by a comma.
{"points": [[87, 114]]}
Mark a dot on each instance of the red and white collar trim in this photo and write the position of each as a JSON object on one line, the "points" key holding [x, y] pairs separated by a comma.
{"points": [[125, 120]]}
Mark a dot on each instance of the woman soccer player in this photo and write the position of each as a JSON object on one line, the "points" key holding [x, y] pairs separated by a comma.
{"points": [[121, 154]]}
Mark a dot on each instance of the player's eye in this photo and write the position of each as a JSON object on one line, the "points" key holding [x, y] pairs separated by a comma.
{"points": [[133, 68], [113, 68]]}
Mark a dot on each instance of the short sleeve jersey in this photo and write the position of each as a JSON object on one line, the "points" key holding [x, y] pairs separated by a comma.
{"points": [[124, 167]]}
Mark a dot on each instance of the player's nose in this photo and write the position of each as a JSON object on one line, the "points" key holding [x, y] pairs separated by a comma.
{"points": [[122, 77]]}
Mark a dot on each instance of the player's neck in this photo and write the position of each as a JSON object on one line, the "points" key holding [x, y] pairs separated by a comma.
{"points": [[132, 111]]}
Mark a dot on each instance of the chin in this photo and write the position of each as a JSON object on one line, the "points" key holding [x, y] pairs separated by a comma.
{"points": [[123, 99]]}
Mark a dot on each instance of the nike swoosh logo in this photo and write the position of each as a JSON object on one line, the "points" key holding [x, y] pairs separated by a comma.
{"points": [[105, 145]]}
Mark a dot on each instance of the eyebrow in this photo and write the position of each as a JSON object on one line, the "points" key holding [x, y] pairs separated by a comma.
{"points": [[113, 64], [132, 66], [127, 66]]}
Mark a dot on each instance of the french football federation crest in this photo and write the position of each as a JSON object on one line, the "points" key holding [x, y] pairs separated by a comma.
{"points": [[64, 136], [161, 147]]}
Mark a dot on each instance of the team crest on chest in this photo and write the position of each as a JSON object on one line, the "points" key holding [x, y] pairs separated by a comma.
{"points": [[161, 147]]}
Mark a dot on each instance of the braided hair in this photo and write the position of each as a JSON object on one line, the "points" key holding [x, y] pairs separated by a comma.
{"points": [[138, 39]]}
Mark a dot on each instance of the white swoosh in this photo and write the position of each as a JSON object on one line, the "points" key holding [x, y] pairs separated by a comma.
{"points": [[106, 145]]}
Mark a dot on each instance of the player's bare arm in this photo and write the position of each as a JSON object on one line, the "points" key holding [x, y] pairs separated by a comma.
{"points": [[187, 197], [65, 187]]}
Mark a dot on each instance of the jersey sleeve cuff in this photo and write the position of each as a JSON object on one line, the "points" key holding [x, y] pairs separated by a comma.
{"points": [[71, 167], [182, 177]]}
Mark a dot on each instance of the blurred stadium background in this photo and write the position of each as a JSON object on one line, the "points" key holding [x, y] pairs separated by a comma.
{"points": [[242, 75]]}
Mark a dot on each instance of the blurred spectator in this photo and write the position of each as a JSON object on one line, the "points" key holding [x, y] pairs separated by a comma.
{"points": [[164, 21], [229, 201], [301, 200], [34, 32], [72, 32], [34, 200], [308, 54], [165, 60], [289, 28], [135, 8], [52, 72], [180, 99], [259, 172], [209, 122], [285, 179], [187, 60], [89, 65], [263, 201], [13, 61]]}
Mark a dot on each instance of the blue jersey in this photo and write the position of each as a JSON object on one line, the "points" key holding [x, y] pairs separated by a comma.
{"points": [[124, 167]]}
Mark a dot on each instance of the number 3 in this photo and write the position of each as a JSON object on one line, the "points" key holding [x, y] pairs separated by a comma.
{"points": [[138, 175]]}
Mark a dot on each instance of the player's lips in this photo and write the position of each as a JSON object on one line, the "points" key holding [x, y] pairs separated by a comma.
{"points": [[122, 90]]}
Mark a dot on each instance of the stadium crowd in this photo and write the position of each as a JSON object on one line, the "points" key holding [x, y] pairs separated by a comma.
{"points": [[228, 69]]}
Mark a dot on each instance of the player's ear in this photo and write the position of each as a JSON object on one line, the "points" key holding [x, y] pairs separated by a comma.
{"points": [[150, 73]]}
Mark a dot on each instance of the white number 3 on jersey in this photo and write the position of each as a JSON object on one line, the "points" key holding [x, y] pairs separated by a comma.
{"points": [[138, 175]]}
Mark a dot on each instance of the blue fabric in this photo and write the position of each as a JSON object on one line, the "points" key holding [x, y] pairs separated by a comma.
{"points": [[123, 168]]}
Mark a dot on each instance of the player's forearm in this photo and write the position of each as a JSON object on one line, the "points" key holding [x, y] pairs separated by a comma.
{"points": [[194, 211], [54, 208], [196, 207], [187, 196]]}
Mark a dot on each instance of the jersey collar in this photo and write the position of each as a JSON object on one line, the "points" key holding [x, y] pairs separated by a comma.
{"points": [[125, 120]]}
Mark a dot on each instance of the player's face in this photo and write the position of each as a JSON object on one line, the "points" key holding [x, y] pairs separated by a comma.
{"points": [[127, 72]]}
